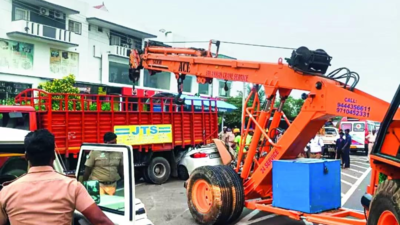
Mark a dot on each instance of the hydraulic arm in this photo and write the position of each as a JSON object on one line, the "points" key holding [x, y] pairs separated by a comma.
{"points": [[326, 96]]}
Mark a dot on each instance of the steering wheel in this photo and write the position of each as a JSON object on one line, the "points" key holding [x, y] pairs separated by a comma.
{"points": [[80, 219]]}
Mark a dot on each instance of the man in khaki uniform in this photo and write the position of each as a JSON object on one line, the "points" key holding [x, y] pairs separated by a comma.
{"points": [[106, 167], [43, 196]]}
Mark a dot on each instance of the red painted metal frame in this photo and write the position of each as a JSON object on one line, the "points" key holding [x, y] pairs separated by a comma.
{"points": [[74, 124]]}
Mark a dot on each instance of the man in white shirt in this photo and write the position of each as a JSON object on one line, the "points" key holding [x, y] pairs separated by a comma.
{"points": [[371, 137], [316, 145]]}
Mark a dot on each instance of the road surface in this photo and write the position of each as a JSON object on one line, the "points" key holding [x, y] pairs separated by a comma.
{"points": [[167, 203]]}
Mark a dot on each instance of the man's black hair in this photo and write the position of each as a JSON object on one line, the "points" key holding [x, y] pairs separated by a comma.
{"points": [[347, 131], [109, 136], [40, 147]]}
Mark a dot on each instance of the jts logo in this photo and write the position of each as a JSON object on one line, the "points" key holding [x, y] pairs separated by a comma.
{"points": [[146, 130]]}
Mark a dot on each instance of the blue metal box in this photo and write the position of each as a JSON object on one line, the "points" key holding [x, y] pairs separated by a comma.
{"points": [[306, 185]]}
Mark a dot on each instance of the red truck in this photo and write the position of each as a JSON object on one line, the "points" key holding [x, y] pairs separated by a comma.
{"points": [[159, 130]]}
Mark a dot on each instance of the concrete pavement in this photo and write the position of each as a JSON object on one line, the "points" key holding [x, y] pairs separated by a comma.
{"points": [[167, 203]]}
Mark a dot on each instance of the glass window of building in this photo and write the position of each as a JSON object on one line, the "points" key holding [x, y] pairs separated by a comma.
{"points": [[8, 90], [221, 90], [160, 80], [119, 73], [21, 14], [204, 89], [187, 84]]}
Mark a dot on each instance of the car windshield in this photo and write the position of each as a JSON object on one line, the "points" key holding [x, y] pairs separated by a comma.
{"points": [[107, 168], [330, 131]]}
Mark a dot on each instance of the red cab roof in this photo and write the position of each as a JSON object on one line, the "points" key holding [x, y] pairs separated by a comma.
{"points": [[17, 108]]}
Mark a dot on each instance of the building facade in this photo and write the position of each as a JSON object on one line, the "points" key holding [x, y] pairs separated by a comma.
{"points": [[45, 40]]}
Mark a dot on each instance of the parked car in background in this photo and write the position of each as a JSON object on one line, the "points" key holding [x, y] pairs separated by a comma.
{"points": [[329, 137], [205, 155]]}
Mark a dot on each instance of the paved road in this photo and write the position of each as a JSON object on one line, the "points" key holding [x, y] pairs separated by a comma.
{"points": [[166, 204]]}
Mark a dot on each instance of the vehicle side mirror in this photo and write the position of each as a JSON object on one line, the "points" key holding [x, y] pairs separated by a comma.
{"points": [[93, 188]]}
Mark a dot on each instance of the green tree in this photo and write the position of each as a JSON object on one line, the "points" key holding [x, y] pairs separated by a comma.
{"points": [[233, 118], [292, 107]]}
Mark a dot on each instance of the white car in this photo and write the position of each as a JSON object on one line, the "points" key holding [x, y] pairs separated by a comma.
{"points": [[206, 155], [12, 145], [329, 139]]}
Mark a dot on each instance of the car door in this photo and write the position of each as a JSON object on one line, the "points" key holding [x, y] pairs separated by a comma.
{"points": [[119, 203]]}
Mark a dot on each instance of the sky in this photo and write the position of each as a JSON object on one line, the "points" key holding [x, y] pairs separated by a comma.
{"points": [[362, 35]]}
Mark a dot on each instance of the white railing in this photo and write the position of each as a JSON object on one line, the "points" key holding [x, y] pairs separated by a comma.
{"points": [[119, 50], [44, 31]]}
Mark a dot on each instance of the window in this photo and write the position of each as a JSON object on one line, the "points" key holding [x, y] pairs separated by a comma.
{"points": [[99, 29], [204, 89], [221, 90], [115, 40], [106, 167], [15, 120], [119, 73], [21, 14], [359, 127], [330, 131], [346, 126], [187, 84], [159, 80], [75, 27]]}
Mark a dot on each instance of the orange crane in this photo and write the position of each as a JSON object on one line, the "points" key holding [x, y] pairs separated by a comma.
{"points": [[217, 195]]}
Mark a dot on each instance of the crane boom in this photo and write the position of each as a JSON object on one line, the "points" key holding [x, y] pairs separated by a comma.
{"points": [[327, 96]]}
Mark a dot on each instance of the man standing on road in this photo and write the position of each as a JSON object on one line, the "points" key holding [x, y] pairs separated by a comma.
{"points": [[316, 145], [44, 196], [105, 166], [346, 150], [371, 137], [339, 146], [221, 135], [230, 141]]}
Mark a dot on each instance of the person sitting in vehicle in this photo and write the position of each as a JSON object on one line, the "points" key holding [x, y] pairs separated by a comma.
{"points": [[105, 166]]}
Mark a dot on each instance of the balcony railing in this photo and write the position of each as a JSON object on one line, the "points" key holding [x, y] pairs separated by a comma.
{"points": [[119, 50], [46, 33]]}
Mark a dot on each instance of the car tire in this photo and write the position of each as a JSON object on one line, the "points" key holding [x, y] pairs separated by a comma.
{"points": [[159, 170], [209, 196], [237, 192], [183, 173], [385, 205]]}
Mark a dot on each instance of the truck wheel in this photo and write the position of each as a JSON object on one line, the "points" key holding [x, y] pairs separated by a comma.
{"points": [[138, 174], [146, 175], [385, 206], [159, 170], [209, 196], [237, 192], [183, 174]]}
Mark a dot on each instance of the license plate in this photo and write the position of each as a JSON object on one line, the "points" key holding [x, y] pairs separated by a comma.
{"points": [[214, 155]]}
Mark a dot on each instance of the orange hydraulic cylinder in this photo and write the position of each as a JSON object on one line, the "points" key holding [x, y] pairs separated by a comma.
{"points": [[253, 146]]}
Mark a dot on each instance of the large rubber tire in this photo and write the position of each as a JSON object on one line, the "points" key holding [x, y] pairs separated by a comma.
{"points": [[159, 170], [237, 192], [145, 175], [183, 173], [209, 196], [385, 206]]}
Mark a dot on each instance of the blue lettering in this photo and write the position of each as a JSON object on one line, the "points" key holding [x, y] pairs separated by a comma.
{"points": [[350, 100], [153, 130], [145, 129], [136, 132]]}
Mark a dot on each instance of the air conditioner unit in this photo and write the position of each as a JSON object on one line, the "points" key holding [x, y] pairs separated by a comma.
{"points": [[58, 15], [129, 40], [44, 11]]}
